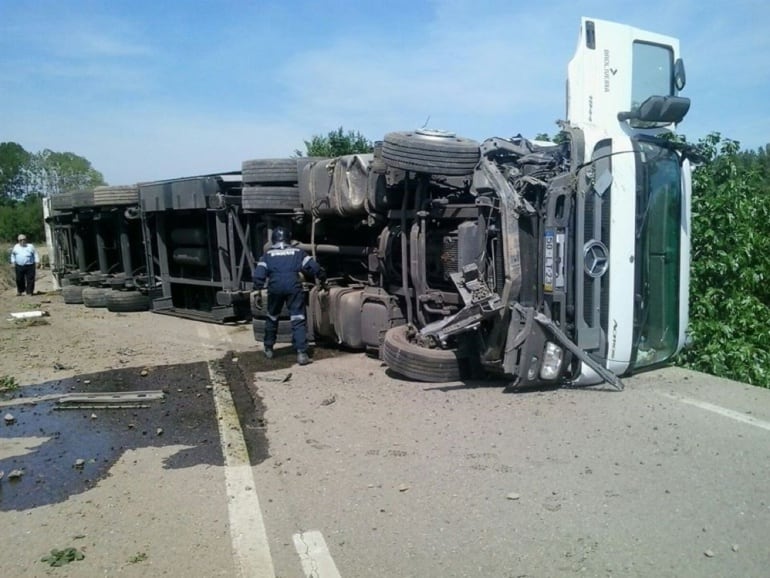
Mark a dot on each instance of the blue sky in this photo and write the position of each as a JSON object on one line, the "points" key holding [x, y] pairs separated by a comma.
{"points": [[150, 90]]}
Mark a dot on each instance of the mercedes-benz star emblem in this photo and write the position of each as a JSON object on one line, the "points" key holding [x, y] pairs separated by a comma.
{"points": [[595, 258]]}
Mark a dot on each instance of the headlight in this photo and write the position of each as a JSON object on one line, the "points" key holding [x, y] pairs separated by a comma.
{"points": [[552, 358]]}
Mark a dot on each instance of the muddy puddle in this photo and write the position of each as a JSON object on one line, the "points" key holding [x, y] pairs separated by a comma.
{"points": [[63, 452]]}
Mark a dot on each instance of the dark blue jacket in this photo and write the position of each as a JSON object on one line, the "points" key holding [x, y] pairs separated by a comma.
{"points": [[280, 267]]}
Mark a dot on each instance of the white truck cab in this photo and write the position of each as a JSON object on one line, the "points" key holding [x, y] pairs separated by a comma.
{"points": [[622, 95]]}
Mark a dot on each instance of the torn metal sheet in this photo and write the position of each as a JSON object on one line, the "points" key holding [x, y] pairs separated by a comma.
{"points": [[119, 397], [28, 315]]}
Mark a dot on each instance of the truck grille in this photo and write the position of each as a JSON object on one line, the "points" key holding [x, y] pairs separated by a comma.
{"points": [[593, 225]]}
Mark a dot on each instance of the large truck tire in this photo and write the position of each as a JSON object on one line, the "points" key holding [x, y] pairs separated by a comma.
{"points": [[420, 363], [284, 329], [258, 198], [269, 171], [127, 301], [84, 198], [120, 195], [95, 296], [61, 202], [73, 294], [430, 151]]}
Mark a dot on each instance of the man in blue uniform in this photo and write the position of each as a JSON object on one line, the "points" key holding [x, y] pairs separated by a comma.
{"points": [[25, 260], [280, 268]]}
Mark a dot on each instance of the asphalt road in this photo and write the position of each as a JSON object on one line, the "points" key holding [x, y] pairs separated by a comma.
{"points": [[395, 478], [409, 479]]}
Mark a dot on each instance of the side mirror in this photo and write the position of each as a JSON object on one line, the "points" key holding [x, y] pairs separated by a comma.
{"points": [[659, 109]]}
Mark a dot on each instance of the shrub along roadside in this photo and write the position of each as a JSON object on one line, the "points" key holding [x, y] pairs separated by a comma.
{"points": [[22, 217], [730, 270]]}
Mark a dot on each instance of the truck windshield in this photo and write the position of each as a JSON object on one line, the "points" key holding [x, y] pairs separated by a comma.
{"points": [[658, 234]]}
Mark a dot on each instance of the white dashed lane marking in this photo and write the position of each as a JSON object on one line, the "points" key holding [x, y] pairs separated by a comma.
{"points": [[723, 411], [316, 559]]}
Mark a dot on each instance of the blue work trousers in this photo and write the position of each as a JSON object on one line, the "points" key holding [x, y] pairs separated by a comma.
{"points": [[295, 302]]}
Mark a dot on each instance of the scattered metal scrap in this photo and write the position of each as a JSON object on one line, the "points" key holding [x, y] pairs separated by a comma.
{"points": [[108, 400]]}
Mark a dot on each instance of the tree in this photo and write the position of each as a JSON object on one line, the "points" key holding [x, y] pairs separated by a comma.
{"points": [[14, 162], [336, 143], [26, 177], [52, 173]]}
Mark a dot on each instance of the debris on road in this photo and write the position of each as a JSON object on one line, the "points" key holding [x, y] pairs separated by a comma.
{"points": [[101, 396], [28, 315], [276, 379]]}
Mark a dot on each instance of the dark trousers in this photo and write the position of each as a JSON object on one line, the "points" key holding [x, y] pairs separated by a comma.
{"points": [[25, 279], [295, 302]]}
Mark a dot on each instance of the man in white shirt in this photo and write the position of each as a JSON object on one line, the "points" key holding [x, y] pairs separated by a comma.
{"points": [[25, 259]]}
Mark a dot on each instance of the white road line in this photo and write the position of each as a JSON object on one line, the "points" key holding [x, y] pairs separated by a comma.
{"points": [[247, 528], [316, 559], [723, 411]]}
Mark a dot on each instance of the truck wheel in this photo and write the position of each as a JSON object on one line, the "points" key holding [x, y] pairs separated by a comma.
{"points": [[83, 198], [95, 296], [73, 294], [284, 329], [420, 363], [121, 195], [269, 171], [431, 151], [61, 201], [126, 301], [270, 198]]}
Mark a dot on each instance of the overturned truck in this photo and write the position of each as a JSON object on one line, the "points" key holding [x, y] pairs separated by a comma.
{"points": [[540, 263]]}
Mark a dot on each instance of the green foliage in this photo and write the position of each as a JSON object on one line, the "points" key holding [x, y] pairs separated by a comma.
{"points": [[62, 557], [14, 161], [22, 217], [43, 173], [26, 177], [337, 143], [730, 269], [55, 173], [8, 383], [138, 557]]}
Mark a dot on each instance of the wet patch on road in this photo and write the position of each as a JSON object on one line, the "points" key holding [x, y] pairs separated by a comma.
{"points": [[63, 452]]}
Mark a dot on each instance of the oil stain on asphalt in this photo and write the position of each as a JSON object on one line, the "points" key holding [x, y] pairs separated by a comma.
{"points": [[79, 449]]}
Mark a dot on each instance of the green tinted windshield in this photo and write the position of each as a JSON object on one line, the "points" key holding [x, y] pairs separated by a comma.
{"points": [[658, 246]]}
